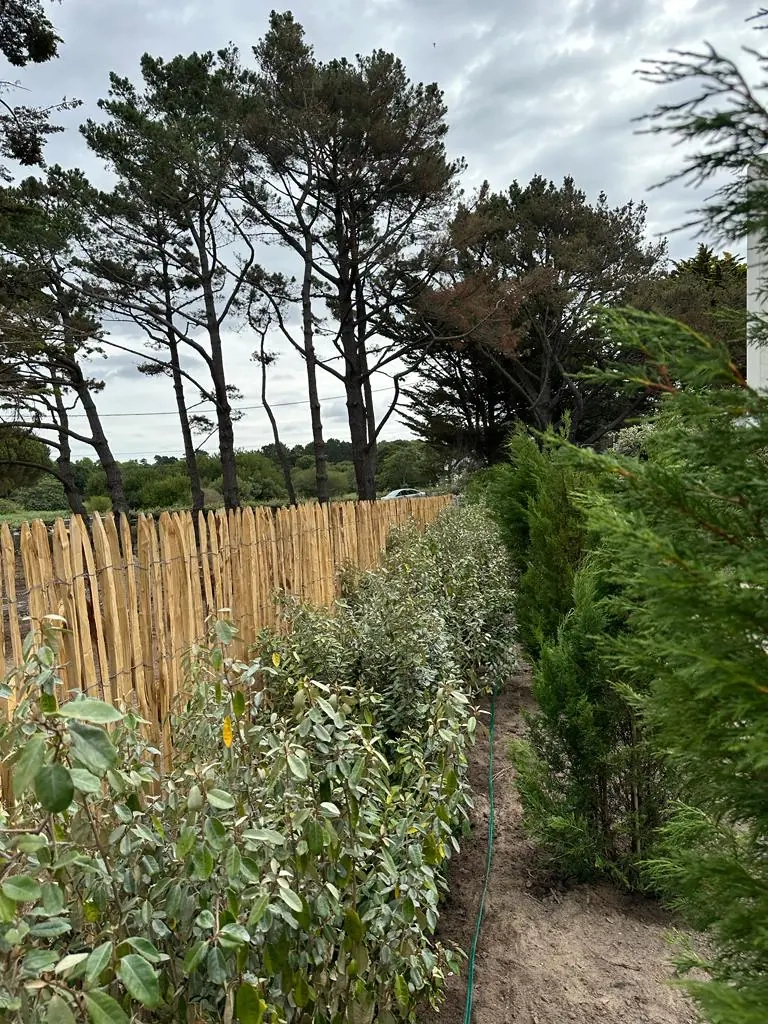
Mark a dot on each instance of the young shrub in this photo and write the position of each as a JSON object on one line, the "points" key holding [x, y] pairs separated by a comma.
{"points": [[439, 609], [544, 531], [583, 772], [284, 867]]}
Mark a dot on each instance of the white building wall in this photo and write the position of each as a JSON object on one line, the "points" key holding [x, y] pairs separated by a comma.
{"points": [[757, 305]]}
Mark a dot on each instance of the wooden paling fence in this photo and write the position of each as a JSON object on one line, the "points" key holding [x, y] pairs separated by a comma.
{"points": [[135, 600]]}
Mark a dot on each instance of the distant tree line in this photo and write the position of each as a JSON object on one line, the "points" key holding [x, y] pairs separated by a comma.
{"points": [[163, 482]]}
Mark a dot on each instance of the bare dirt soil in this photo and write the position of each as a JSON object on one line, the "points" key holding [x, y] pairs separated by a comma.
{"points": [[587, 954]]}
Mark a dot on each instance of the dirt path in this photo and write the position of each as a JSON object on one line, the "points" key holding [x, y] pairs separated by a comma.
{"points": [[588, 955]]}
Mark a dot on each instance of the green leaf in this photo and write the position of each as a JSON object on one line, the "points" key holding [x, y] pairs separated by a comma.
{"points": [[264, 835], [260, 904], [38, 962], [54, 788], [195, 956], [195, 798], [48, 703], [97, 961], [185, 842], [53, 898], [302, 992], [103, 1009], [238, 703], [233, 863], [219, 799], [205, 919], [69, 961], [249, 1006], [147, 950], [90, 710], [216, 966], [85, 781], [361, 1008], [203, 863], [233, 935], [315, 835], [29, 764], [21, 889], [402, 994], [291, 899], [298, 767], [92, 747], [30, 844], [329, 809], [58, 1011], [225, 631], [7, 909], [140, 980], [353, 926], [51, 928]]}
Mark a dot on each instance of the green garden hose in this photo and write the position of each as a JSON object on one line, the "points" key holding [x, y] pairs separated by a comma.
{"points": [[488, 859]]}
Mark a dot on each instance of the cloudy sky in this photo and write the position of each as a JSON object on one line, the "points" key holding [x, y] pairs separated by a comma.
{"points": [[532, 86]]}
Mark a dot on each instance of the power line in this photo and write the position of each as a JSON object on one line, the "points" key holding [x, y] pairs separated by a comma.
{"points": [[235, 408]]}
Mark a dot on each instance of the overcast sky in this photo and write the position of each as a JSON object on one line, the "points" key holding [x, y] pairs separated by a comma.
{"points": [[532, 86]]}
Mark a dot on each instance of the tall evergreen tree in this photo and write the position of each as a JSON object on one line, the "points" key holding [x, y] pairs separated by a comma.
{"points": [[527, 268], [173, 144], [48, 328], [706, 292], [27, 36], [348, 168]]}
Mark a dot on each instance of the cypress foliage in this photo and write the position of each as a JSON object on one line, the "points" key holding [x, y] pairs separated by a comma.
{"points": [[686, 534], [543, 530], [590, 785]]}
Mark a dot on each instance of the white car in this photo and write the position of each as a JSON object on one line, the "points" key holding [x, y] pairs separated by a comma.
{"points": [[403, 492]]}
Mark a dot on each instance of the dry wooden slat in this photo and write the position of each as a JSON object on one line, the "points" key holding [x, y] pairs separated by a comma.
{"points": [[149, 699], [32, 577], [105, 573], [216, 563], [8, 552], [132, 611], [251, 594], [209, 603], [125, 681], [236, 575], [272, 565], [72, 664], [195, 578], [190, 582], [164, 690], [225, 553], [97, 618], [89, 675], [167, 623]]}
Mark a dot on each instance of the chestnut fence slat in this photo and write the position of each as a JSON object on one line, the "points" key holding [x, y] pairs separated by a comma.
{"points": [[135, 601]]}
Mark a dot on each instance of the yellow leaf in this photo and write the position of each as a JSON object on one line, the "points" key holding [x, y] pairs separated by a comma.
{"points": [[226, 732], [276, 660]]}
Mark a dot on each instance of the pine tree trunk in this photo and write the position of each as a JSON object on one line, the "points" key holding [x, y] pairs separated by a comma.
{"points": [[226, 431], [99, 441], [64, 459], [282, 456], [190, 455], [310, 359], [362, 460]]}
